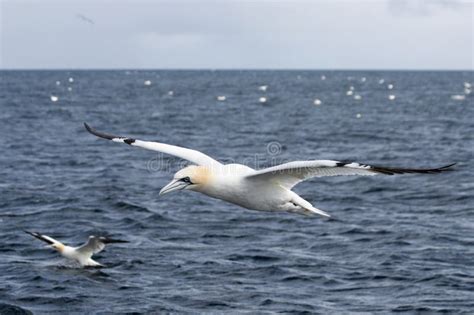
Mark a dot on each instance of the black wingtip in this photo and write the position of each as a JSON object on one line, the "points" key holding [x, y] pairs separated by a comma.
{"points": [[111, 240], [35, 234], [448, 166], [107, 136], [98, 133], [89, 128], [38, 236], [392, 171]]}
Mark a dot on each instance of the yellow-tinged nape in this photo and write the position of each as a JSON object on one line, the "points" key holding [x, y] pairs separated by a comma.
{"points": [[58, 246], [199, 175]]}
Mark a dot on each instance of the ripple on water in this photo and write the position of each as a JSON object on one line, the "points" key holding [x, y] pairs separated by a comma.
{"points": [[13, 310]]}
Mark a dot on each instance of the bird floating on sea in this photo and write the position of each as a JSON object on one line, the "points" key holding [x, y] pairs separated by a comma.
{"points": [[458, 97], [267, 189], [82, 254]]}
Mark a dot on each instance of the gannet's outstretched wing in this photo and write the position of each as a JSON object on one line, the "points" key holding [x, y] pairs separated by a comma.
{"points": [[193, 156], [44, 238], [290, 174], [96, 244]]}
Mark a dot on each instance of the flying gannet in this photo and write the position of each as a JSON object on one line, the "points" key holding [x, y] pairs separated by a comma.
{"points": [[82, 254], [267, 189]]}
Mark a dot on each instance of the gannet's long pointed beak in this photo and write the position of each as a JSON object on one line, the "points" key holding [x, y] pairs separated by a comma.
{"points": [[175, 184], [107, 240]]}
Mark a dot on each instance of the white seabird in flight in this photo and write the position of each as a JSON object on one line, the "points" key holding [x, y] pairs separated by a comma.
{"points": [[267, 189], [82, 254]]}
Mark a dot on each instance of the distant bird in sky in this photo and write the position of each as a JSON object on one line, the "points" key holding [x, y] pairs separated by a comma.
{"points": [[267, 189], [85, 18], [82, 254]]}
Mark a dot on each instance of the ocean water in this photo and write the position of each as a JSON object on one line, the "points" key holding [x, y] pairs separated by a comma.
{"points": [[394, 243]]}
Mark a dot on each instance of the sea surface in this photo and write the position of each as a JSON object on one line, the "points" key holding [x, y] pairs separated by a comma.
{"points": [[394, 244]]}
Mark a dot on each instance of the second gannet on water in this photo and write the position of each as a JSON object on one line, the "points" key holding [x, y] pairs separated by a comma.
{"points": [[82, 254], [267, 189]]}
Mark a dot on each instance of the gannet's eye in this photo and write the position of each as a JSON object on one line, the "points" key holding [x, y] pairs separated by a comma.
{"points": [[186, 179]]}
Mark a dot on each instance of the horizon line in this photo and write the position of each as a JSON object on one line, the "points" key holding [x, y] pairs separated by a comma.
{"points": [[236, 69]]}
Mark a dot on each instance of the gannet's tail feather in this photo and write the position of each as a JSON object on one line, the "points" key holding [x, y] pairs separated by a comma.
{"points": [[308, 208], [92, 263], [193, 156]]}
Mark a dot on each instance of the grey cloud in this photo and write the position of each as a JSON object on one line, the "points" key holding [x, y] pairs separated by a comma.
{"points": [[425, 7], [231, 34]]}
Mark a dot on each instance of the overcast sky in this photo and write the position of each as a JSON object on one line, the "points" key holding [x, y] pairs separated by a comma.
{"points": [[259, 34]]}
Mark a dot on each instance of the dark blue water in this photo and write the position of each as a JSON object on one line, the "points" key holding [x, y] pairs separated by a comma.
{"points": [[395, 243]]}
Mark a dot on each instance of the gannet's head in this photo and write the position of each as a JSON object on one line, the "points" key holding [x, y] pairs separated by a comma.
{"points": [[192, 177], [57, 246]]}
